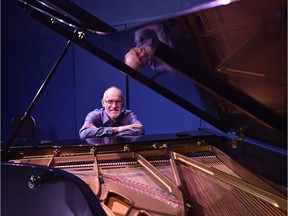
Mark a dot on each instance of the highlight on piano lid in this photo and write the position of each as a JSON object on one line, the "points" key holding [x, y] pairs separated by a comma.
{"points": [[215, 121]]}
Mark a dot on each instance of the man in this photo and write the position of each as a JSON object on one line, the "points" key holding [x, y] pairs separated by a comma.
{"points": [[147, 40], [138, 57], [112, 119]]}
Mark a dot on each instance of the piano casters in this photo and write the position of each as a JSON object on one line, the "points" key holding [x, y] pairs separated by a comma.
{"points": [[13, 136]]}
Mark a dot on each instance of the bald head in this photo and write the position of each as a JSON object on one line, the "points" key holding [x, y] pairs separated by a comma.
{"points": [[132, 60], [113, 91], [138, 57]]}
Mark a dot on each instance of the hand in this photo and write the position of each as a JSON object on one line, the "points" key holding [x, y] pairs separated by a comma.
{"points": [[132, 127]]}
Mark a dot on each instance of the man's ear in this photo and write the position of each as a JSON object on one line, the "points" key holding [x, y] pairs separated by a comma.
{"points": [[102, 101]]}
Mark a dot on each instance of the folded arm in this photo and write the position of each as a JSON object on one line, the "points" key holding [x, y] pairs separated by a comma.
{"points": [[94, 128], [91, 131]]}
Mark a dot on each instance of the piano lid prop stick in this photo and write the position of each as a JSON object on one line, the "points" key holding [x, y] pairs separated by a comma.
{"points": [[13, 136]]}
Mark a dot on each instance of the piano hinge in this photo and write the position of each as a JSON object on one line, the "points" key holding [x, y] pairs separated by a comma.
{"points": [[126, 148], [81, 34], [164, 146], [53, 21], [240, 133], [201, 143], [93, 151], [57, 152]]}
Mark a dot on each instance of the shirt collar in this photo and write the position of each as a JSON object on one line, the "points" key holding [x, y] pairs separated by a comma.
{"points": [[107, 119]]}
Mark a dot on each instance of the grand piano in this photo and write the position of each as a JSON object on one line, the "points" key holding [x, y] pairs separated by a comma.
{"points": [[227, 65]]}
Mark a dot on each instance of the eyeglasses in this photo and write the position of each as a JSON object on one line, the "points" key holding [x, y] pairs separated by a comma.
{"points": [[110, 102]]}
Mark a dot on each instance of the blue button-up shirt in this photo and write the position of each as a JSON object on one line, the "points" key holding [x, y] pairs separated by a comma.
{"points": [[103, 124]]}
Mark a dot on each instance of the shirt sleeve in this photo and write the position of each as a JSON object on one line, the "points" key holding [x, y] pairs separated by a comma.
{"points": [[87, 131], [131, 118], [144, 36]]}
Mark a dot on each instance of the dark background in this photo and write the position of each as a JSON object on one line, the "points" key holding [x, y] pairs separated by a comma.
{"points": [[29, 51]]}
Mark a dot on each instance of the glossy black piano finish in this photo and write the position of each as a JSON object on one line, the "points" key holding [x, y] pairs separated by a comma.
{"points": [[226, 75], [232, 74], [39, 190]]}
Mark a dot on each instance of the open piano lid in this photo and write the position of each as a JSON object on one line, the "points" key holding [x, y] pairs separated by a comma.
{"points": [[227, 64]]}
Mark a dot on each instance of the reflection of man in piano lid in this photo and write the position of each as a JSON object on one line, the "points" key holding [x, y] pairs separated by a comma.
{"points": [[112, 119], [147, 40], [138, 57]]}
